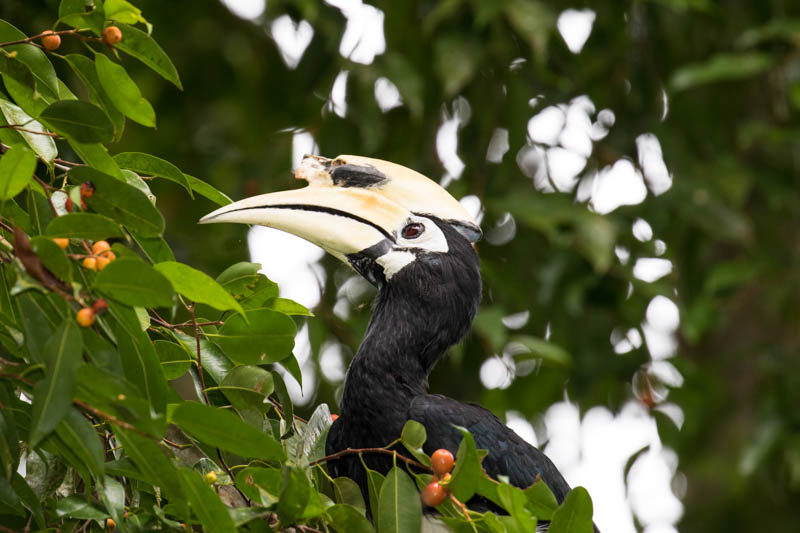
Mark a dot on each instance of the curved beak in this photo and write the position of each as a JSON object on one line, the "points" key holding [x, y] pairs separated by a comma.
{"points": [[343, 221]]}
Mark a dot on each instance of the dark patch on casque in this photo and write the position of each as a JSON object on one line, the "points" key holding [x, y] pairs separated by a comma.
{"points": [[356, 176]]}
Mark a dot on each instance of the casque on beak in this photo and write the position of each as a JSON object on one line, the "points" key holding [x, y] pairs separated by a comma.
{"points": [[351, 205]]}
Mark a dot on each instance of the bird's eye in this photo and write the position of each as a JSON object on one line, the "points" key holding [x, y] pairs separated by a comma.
{"points": [[413, 230]]}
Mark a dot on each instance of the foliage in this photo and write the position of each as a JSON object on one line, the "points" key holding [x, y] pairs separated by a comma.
{"points": [[88, 412]]}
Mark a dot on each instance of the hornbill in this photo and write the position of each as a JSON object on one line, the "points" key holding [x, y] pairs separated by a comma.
{"points": [[412, 240]]}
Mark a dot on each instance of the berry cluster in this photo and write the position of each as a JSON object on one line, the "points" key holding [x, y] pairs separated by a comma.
{"points": [[436, 491]]}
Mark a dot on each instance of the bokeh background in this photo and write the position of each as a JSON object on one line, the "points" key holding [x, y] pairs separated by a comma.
{"points": [[635, 165]]}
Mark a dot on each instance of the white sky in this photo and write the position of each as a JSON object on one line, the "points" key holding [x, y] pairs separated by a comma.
{"points": [[590, 450]]}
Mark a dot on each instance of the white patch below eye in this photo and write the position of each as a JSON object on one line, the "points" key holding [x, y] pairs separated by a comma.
{"points": [[394, 261]]}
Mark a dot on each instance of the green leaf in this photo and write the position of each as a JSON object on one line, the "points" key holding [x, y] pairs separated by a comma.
{"points": [[9, 444], [122, 11], [79, 120], [141, 46], [74, 506], [534, 21], [540, 348], [348, 519], [150, 165], [287, 307], [16, 171], [456, 59], [284, 400], [84, 68], [197, 286], [53, 395], [79, 436], [257, 337], [141, 366], [33, 57], [295, 494], [121, 202], [374, 484], [175, 361], [53, 257], [575, 513], [29, 499], [260, 484], [134, 283], [96, 156], [123, 92], [84, 226], [467, 471], [112, 492], [204, 189], [248, 387], [43, 145], [400, 508], [347, 492], [720, 67], [151, 460], [223, 429], [514, 500], [541, 500], [413, 437]]}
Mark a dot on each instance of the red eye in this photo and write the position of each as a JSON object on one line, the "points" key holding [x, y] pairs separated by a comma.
{"points": [[413, 230]]}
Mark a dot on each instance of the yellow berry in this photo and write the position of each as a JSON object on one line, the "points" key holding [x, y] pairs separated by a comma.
{"points": [[102, 262], [112, 35], [210, 477], [100, 247], [85, 317], [90, 263], [110, 524], [62, 243]]}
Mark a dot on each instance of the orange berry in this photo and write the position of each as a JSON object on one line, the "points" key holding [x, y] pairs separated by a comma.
{"points": [[110, 524], [109, 255], [51, 41], [334, 416], [62, 243], [90, 263], [100, 246], [433, 494], [85, 317], [68, 205], [87, 189], [112, 35], [441, 461], [102, 262], [210, 477]]}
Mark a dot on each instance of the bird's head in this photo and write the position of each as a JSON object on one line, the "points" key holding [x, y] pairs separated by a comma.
{"points": [[386, 221]]}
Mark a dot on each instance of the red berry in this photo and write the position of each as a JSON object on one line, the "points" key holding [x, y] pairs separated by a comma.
{"points": [[112, 35], [51, 41], [441, 461], [68, 205], [433, 494], [87, 189], [99, 305], [334, 416]]}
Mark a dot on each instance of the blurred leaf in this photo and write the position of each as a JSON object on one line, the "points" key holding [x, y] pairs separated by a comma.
{"points": [[53, 257], [348, 519], [248, 387], [534, 21], [16, 171], [9, 444], [223, 429], [43, 145], [112, 492], [121, 202], [123, 92], [150, 165], [260, 484], [284, 400], [720, 67], [295, 494], [122, 11], [575, 513], [141, 46], [175, 361], [150, 459], [546, 350], [77, 507], [257, 337], [134, 283], [456, 58], [79, 435], [53, 395], [204, 189], [141, 365], [197, 286], [287, 307], [80, 120], [84, 226], [787, 29], [400, 508]]}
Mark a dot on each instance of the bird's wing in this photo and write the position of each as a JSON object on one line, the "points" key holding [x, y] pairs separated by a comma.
{"points": [[509, 455]]}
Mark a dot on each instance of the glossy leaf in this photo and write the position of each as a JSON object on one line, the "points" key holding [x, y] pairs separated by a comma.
{"points": [[134, 283], [53, 257], [77, 507], [141, 46], [141, 366], [197, 286], [468, 470], [43, 145], [400, 508], [287, 307], [123, 92], [265, 336], [79, 435], [260, 484], [79, 120], [96, 156], [149, 165], [248, 387], [541, 500], [413, 437], [223, 429], [84, 226], [575, 513], [34, 58], [151, 460], [84, 68], [348, 519], [295, 494], [16, 171], [53, 395], [204, 189], [175, 360]]}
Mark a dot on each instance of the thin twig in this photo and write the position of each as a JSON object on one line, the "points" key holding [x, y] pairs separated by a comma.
{"points": [[29, 40], [230, 476], [19, 127], [462, 506], [350, 451], [47, 188], [199, 357]]}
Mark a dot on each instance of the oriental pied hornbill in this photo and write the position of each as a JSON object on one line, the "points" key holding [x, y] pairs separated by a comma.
{"points": [[414, 242]]}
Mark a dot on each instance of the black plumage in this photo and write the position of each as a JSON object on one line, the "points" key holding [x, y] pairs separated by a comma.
{"points": [[423, 310]]}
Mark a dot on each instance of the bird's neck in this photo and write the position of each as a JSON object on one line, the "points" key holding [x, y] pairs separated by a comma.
{"points": [[409, 332]]}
